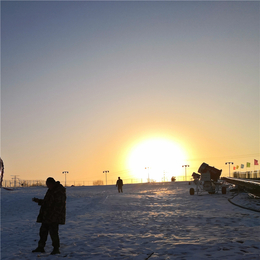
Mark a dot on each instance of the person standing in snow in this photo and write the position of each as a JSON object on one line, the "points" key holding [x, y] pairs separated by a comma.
{"points": [[52, 213], [119, 184]]}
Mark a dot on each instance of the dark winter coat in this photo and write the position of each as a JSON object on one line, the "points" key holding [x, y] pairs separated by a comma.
{"points": [[53, 206]]}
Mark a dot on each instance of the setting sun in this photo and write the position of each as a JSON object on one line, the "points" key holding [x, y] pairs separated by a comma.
{"points": [[156, 160]]}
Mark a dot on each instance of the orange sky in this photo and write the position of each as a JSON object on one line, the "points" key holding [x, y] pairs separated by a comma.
{"points": [[85, 82]]}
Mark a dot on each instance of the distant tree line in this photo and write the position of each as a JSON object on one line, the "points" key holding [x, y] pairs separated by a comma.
{"points": [[98, 182]]}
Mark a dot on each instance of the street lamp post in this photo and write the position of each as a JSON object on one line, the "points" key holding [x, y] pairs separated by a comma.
{"points": [[106, 175], [185, 171], [229, 166], [148, 174], [65, 172]]}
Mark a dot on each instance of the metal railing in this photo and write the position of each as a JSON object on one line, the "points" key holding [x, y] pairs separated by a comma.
{"points": [[33, 183], [247, 175]]}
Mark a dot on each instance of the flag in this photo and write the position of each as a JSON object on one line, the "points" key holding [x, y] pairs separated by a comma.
{"points": [[248, 164], [256, 162], [242, 166], [2, 171]]}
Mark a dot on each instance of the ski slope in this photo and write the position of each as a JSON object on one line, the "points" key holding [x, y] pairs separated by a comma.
{"points": [[158, 220]]}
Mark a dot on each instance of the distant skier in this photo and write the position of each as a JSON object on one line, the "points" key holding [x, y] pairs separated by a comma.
{"points": [[119, 184], [52, 213]]}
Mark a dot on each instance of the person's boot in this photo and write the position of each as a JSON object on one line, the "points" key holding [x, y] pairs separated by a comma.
{"points": [[55, 251], [39, 249]]}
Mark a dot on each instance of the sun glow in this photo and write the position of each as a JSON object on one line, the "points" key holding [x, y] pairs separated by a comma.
{"points": [[156, 160]]}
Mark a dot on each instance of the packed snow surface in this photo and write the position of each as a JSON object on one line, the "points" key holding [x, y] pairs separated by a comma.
{"points": [[155, 221]]}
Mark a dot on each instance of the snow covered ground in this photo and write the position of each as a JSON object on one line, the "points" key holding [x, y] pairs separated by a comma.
{"points": [[162, 219]]}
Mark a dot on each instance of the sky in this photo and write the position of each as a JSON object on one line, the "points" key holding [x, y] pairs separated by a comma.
{"points": [[134, 88]]}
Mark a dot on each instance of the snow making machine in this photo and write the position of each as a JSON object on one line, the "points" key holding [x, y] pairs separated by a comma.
{"points": [[207, 180]]}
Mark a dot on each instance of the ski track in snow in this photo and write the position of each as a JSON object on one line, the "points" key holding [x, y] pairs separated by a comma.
{"points": [[162, 219]]}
